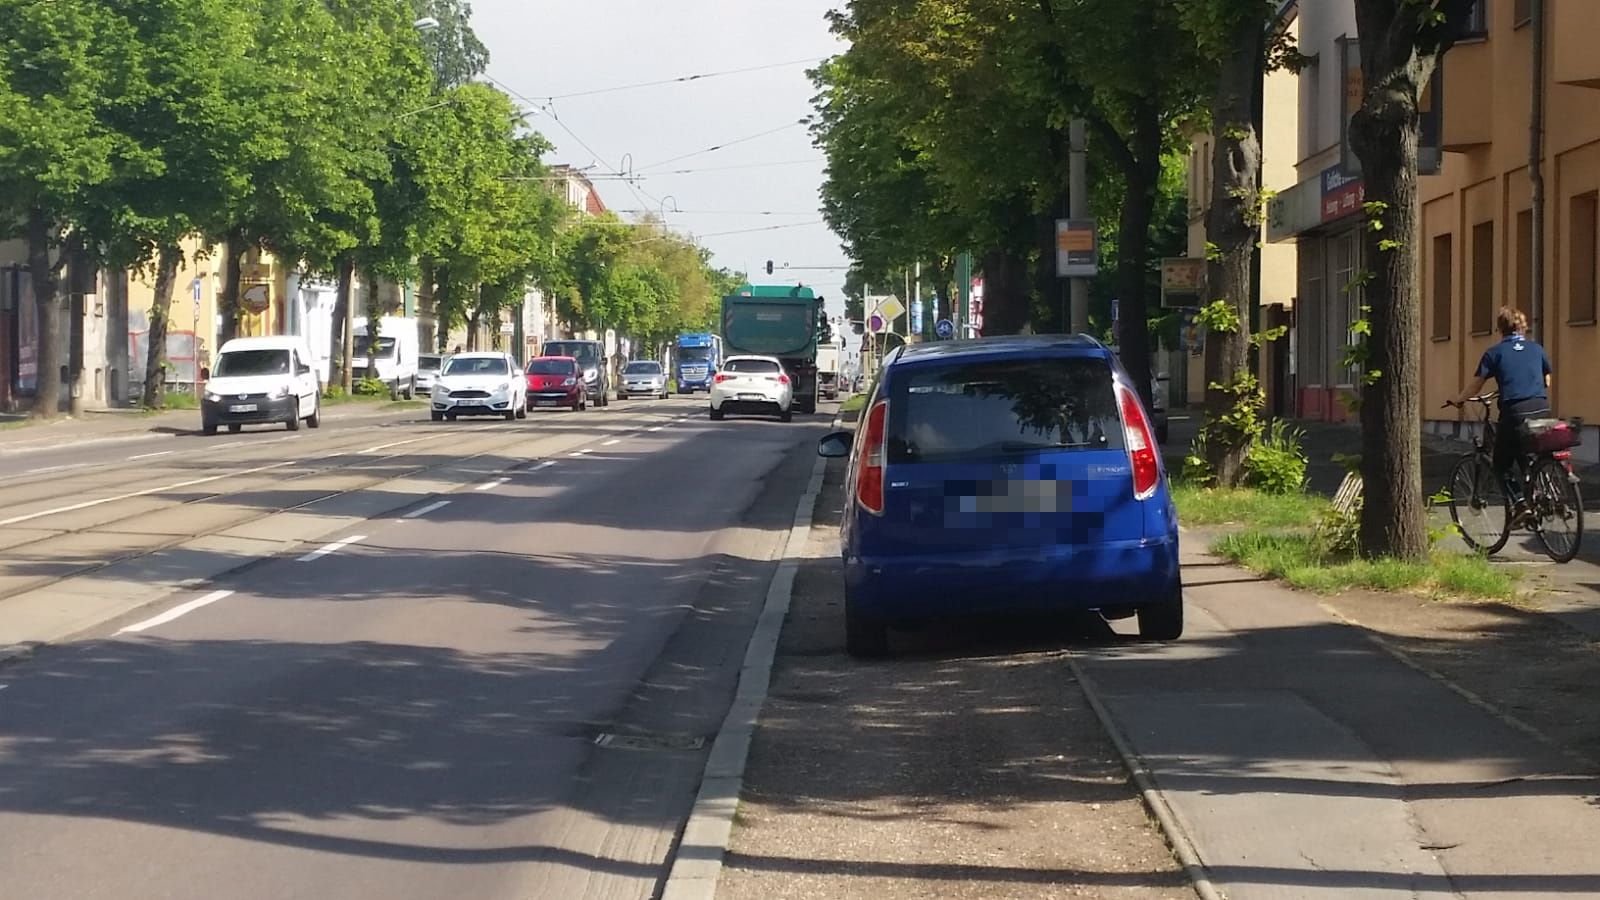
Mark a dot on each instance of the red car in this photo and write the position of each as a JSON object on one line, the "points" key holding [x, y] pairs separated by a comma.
{"points": [[556, 382]]}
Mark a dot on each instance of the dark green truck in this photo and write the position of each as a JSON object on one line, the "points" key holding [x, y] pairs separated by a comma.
{"points": [[783, 321]]}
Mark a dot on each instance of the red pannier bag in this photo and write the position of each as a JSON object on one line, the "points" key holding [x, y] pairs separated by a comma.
{"points": [[1549, 435]]}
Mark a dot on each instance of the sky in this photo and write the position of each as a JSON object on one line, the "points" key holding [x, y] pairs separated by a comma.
{"points": [[768, 173]]}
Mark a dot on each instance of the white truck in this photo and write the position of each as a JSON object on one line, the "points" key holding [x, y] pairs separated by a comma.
{"points": [[828, 371], [394, 354]]}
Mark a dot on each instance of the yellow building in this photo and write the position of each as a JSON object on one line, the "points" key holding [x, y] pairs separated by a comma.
{"points": [[1477, 213], [1279, 153]]}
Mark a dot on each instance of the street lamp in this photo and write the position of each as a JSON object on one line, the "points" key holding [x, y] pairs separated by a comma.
{"points": [[426, 23]]}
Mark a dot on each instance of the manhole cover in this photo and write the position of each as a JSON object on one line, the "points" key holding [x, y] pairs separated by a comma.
{"points": [[649, 742]]}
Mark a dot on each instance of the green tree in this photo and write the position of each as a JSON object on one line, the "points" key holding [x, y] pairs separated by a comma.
{"points": [[62, 64], [1402, 42], [453, 49]]}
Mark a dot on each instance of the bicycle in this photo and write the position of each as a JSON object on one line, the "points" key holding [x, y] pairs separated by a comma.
{"points": [[1549, 486]]}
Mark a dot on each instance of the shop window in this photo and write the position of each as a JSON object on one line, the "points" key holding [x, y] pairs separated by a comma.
{"points": [[1443, 264], [1482, 278], [1524, 287], [1584, 209]]}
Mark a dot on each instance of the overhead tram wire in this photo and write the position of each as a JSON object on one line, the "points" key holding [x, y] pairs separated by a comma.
{"points": [[687, 78], [724, 145]]}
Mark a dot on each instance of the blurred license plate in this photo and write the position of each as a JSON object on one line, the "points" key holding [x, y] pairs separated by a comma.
{"points": [[547, 403], [242, 407], [752, 396], [471, 402]]}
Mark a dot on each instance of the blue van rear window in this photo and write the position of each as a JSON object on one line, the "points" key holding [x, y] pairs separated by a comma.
{"points": [[996, 408]]}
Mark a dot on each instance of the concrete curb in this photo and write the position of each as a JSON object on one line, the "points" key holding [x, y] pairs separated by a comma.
{"points": [[697, 859], [1154, 799]]}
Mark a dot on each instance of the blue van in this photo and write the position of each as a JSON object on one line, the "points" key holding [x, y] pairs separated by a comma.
{"points": [[1005, 475]]}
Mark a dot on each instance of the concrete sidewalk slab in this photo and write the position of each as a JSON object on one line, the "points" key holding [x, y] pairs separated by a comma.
{"points": [[1301, 758]]}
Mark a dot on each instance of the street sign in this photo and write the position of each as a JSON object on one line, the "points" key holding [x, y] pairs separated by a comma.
{"points": [[1076, 255], [1183, 280], [194, 290], [945, 329], [916, 317], [876, 323], [891, 308]]}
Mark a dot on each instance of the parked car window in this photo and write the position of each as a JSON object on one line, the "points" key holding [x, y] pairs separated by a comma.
{"points": [[244, 363], [427, 363], [752, 366], [477, 365], [551, 367], [585, 352], [643, 368], [385, 346], [986, 409]]}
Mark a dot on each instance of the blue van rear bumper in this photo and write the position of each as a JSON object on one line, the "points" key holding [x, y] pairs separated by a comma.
{"points": [[1060, 578]]}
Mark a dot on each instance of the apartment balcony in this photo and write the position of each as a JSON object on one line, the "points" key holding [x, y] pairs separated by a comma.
{"points": [[1572, 28], [1468, 97]]}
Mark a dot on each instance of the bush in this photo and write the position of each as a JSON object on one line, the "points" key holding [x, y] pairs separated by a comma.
{"points": [[372, 387], [180, 400], [1276, 462]]}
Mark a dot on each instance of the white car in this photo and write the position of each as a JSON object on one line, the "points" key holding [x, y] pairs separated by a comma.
{"points": [[480, 384], [752, 385], [643, 377], [261, 380]]}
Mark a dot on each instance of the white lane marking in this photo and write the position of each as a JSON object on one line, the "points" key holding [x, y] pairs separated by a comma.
{"points": [[491, 485], [152, 455], [47, 469], [393, 444], [657, 428], [545, 465], [612, 442], [431, 507], [144, 493], [579, 453], [181, 609], [334, 547], [224, 446]]}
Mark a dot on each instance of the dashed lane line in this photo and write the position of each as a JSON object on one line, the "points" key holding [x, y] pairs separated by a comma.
{"points": [[422, 511], [181, 609], [334, 547]]}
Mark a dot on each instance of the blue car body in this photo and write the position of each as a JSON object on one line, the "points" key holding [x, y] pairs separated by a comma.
{"points": [[1049, 521]]}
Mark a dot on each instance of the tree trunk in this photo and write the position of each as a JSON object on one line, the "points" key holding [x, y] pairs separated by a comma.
{"points": [[1133, 257], [232, 280], [1233, 229], [1005, 292], [374, 325], [155, 366], [473, 324], [1384, 134], [343, 338], [47, 389]]}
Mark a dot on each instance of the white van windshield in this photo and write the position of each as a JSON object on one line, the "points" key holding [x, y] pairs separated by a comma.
{"points": [[246, 363]]}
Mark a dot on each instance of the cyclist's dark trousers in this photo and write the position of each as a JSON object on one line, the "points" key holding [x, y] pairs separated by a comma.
{"points": [[1508, 440]]}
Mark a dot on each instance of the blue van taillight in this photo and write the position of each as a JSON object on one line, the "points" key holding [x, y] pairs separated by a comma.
{"points": [[869, 475], [1141, 444]]}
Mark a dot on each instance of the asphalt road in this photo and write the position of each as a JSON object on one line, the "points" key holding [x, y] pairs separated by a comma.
{"points": [[496, 677]]}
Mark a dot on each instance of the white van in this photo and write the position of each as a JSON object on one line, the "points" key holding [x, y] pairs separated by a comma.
{"points": [[262, 380], [395, 356]]}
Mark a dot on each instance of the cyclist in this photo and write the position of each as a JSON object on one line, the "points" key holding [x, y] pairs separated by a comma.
{"points": [[1521, 372]]}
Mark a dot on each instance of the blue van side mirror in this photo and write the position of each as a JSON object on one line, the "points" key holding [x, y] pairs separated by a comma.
{"points": [[836, 445]]}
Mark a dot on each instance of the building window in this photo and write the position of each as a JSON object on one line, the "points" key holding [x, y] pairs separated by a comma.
{"points": [[1478, 20], [1524, 291], [1482, 278], [1521, 12], [1585, 209], [1443, 265]]}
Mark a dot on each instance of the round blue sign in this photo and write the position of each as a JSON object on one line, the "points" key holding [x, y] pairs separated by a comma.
{"points": [[945, 329]]}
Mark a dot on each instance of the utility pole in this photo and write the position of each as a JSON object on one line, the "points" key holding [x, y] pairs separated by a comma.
{"points": [[1078, 208], [916, 301], [963, 311]]}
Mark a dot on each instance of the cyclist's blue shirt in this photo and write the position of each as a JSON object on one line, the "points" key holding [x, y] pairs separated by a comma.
{"points": [[1518, 367]]}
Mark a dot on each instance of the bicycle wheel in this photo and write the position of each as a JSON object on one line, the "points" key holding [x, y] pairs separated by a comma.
{"points": [[1478, 505], [1559, 506]]}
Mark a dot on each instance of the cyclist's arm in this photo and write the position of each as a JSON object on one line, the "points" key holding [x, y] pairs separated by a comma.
{"points": [[1473, 389]]}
